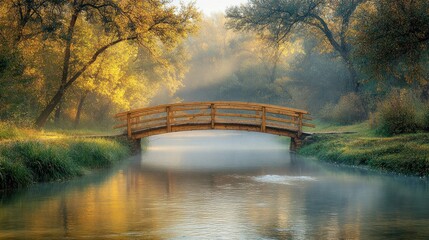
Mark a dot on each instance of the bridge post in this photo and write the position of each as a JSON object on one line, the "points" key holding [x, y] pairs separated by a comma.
{"points": [[168, 119], [295, 143], [129, 125], [264, 119], [213, 115]]}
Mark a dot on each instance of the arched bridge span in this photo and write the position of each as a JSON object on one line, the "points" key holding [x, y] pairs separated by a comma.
{"points": [[254, 117]]}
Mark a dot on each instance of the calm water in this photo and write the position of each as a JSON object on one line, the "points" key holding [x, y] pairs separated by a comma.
{"points": [[220, 185]]}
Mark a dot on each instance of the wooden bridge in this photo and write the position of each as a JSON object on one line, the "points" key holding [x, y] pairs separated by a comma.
{"points": [[243, 116]]}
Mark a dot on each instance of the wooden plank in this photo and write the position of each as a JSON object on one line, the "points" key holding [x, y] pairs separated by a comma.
{"points": [[129, 125], [168, 118], [190, 108], [190, 120], [148, 121], [282, 126], [193, 115], [282, 120], [199, 121], [244, 108], [213, 115], [180, 128], [237, 115], [281, 112], [234, 121]]}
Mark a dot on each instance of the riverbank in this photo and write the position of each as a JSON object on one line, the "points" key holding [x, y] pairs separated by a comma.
{"points": [[28, 156], [403, 154]]}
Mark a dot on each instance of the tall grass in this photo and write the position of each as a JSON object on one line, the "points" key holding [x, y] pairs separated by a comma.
{"points": [[405, 154], [96, 153], [13, 174], [25, 162]]}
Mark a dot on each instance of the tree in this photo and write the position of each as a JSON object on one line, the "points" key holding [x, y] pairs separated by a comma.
{"points": [[393, 41], [278, 19], [21, 26], [26, 19], [152, 24]]}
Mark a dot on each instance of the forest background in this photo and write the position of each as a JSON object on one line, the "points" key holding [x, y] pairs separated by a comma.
{"points": [[73, 64]]}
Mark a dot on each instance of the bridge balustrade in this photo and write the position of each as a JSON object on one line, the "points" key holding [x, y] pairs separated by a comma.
{"points": [[255, 117]]}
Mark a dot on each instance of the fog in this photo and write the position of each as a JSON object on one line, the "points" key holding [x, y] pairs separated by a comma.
{"points": [[215, 151], [226, 65]]}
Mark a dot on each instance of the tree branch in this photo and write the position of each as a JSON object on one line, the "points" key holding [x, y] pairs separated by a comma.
{"points": [[328, 33], [94, 58]]}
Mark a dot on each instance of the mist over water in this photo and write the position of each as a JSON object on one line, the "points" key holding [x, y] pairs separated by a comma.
{"points": [[214, 151], [220, 185]]}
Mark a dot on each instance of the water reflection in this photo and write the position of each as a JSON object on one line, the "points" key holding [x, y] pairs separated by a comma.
{"points": [[189, 187]]}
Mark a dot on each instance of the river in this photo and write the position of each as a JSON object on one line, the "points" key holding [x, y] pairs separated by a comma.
{"points": [[220, 185]]}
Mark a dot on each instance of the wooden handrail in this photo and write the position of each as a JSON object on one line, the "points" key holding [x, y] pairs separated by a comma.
{"points": [[214, 115], [208, 104]]}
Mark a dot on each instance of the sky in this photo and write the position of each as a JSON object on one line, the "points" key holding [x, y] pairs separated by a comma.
{"points": [[212, 6]]}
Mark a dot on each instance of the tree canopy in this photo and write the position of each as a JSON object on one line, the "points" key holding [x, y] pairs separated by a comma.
{"points": [[393, 40], [67, 26], [278, 19]]}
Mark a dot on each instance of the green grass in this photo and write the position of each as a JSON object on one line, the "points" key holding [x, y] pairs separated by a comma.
{"points": [[8, 131], [405, 154], [361, 128], [23, 162]]}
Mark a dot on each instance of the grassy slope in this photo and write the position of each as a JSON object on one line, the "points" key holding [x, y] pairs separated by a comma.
{"points": [[28, 156], [406, 154]]}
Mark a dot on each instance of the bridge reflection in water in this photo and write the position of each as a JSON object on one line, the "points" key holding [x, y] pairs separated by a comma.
{"points": [[253, 117]]}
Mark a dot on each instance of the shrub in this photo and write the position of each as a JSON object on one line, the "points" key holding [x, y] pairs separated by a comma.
{"points": [[397, 114], [349, 109]]}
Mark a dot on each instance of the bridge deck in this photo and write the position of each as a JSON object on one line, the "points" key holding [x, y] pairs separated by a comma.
{"points": [[253, 117]]}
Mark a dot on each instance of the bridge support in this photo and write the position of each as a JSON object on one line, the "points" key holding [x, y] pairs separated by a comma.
{"points": [[135, 144], [295, 143]]}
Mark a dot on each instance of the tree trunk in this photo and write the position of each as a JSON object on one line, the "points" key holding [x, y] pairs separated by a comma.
{"points": [[44, 115], [354, 82], [425, 93], [273, 74], [58, 112], [79, 109]]}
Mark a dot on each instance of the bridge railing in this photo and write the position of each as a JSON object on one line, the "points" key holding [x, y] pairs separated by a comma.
{"points": [[214, 115]]}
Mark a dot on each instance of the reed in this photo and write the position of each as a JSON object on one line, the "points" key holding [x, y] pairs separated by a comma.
{"points": [[26, 162]]}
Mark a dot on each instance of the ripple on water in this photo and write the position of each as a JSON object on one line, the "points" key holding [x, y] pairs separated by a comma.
{"points": [[285, 180]]}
